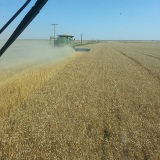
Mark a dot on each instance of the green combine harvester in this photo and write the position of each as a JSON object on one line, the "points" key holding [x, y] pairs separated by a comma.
{"points": [[64, 40], [67, 40]]}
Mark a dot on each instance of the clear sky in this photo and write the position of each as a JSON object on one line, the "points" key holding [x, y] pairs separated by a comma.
{"points": [[95, 19]]}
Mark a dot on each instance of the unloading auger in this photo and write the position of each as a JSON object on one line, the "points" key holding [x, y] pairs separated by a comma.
{"points": [[23, 24]]}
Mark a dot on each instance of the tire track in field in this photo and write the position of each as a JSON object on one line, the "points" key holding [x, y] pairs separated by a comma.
{"points": [[139, 63], [112, 111], [151, 56], [146, 54]]}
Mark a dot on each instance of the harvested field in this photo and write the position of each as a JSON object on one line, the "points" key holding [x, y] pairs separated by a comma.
{"points": [[104, 104]]}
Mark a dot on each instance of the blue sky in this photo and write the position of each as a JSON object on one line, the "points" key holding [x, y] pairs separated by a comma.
{"points": [[95, 19]]}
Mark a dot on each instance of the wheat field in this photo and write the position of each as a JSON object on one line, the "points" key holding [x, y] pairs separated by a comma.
{"points": [[104, 104]]}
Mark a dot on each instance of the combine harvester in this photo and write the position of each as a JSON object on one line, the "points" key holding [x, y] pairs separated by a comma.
{"points": [[26, 21], [67, 40]]}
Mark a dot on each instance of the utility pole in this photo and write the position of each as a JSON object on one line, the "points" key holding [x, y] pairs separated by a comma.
{"points": [[81, 38], [54, 28]]}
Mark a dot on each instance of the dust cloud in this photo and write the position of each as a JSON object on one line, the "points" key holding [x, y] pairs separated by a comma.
{"points": [[23, 54]]}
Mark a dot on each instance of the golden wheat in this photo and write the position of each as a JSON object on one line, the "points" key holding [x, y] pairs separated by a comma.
{"points": [[16, 86], [101, 105]]}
